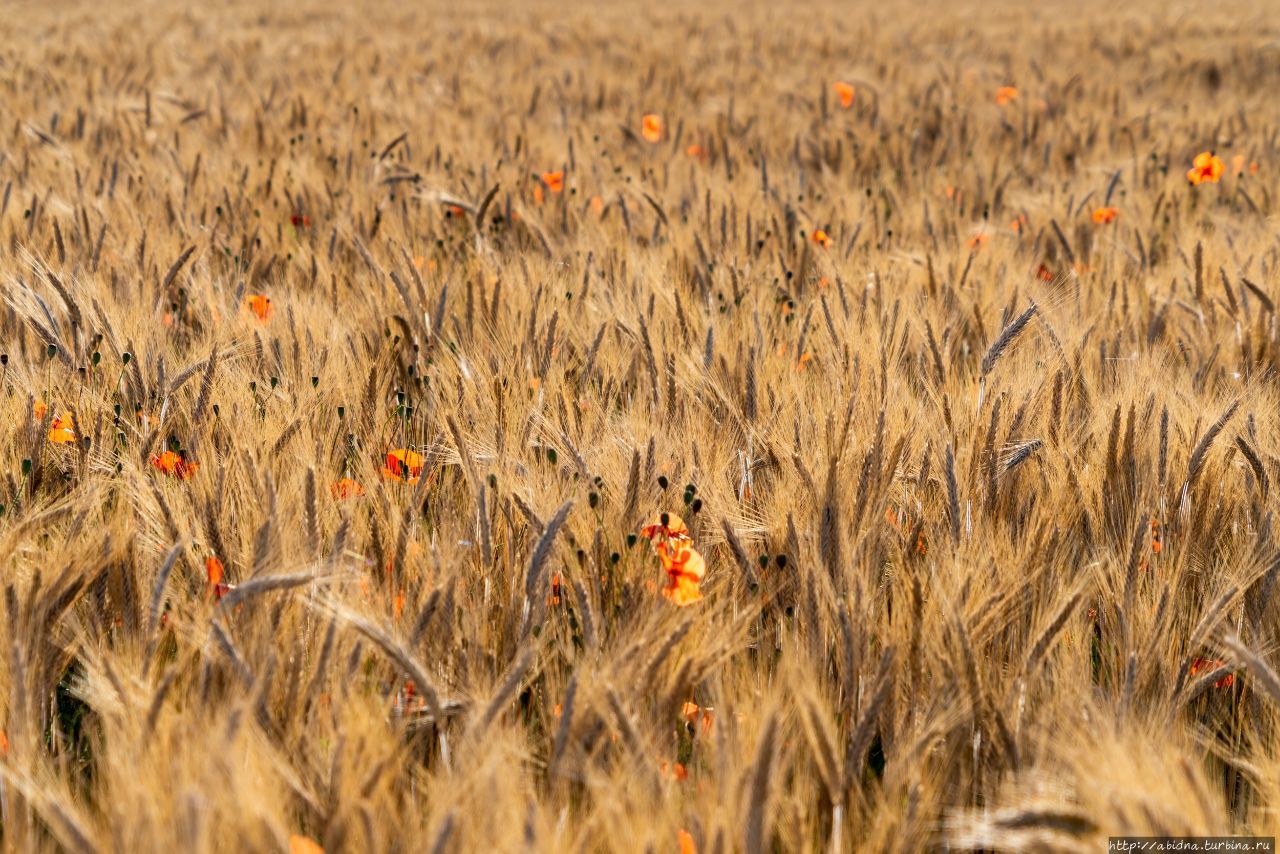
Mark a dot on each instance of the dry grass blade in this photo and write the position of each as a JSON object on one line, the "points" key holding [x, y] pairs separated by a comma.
{"points": [[758, 818], [1266, 678], [1196, 462], [542, 552], [1006, 337]]}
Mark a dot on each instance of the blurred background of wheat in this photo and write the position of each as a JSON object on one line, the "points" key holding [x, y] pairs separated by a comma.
{"points": [[983, 485]]}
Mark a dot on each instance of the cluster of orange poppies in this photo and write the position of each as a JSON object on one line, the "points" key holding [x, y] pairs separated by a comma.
{"points": [[683, 564]]}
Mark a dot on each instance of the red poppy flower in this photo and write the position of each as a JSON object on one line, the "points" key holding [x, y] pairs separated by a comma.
{"points": [[344, 488], [175, 464], [666, 526], [1206, 168], [685, 570], [60, 431], [403, 464], [214, 571], [1204, 665], [1105, 216], [845, 93], [651, 127], [259, 306], [553, 181]]}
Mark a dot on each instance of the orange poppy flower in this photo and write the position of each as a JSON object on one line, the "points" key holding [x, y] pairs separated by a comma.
{"points": [[554, 598], [696, 151], [1044, 274], [978, 241], [685, 570], [821, 238], [403, 464], [344, 488], [454, 211], [259, 306], [214, 571], [1156, 545], [845, 93], [1206, 168], [1204, 665], [687, 845], [553, 181], [651, 127], [1006, 95], [1104, 216], [39, 409], [676, 772], [174, 464], [60, 432], [597, 205], [299, 844], [1019, 223], [667, 526], [300, 221]]}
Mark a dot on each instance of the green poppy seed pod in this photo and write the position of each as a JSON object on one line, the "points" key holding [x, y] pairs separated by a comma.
{"points": [[26, 467], [315, 381], [126, 356], [96, 357], [52, 350]]}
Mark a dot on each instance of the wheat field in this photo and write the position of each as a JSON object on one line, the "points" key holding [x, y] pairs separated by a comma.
{"points": [[637, 426]]}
